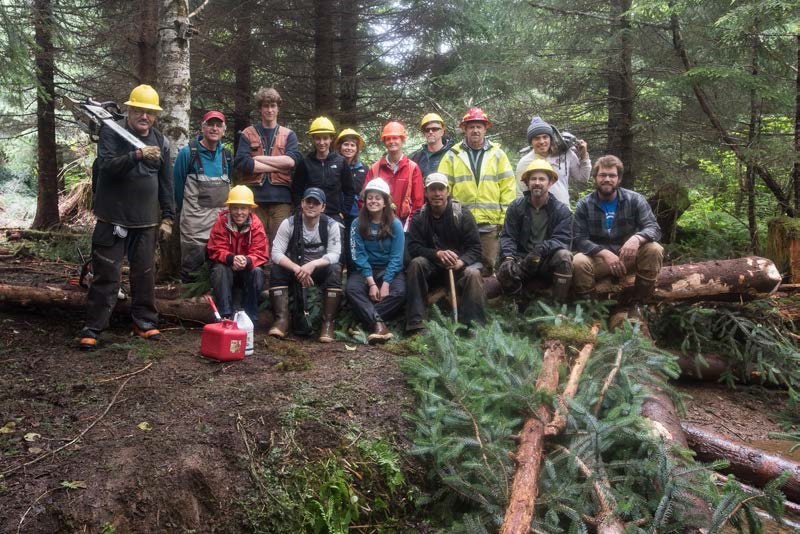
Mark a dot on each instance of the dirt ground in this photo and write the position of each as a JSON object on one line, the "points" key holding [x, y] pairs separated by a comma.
{"points": [[169, 453]]}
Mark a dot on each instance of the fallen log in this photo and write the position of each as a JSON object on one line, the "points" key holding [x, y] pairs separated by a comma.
{"points": [[192, 310], [745, 277], [522, 500], [749, 464]]}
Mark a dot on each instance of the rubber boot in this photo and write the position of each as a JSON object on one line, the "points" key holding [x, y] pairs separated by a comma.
{"points": [[279, 296], [379, 333], [561, 286], [330, 305], [642, 289]]}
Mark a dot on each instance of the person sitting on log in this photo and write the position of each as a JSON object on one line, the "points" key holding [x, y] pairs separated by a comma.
{"points": [[536, 236], [305, 253], [237, 250], [615, 233], [202, 177], [376, 287], [442, 236]]}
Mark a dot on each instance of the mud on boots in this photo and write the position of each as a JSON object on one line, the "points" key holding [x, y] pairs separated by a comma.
{"points": [[330, 305]]}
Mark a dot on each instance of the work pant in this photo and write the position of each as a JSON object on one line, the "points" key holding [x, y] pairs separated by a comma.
{"points": [[108, 252], [271, 216], [469, 282], [224, 279], [326, 277], [490, 247], [588, 270], [193, 256], [367, 311]]}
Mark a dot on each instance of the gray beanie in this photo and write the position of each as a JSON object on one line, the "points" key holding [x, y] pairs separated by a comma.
{"points": [[538, 127]]}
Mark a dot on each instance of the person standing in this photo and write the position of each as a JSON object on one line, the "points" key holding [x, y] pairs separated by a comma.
{"points": [[397, 170], [265, 158], [436, 144], [202, 177], [537, 235], [350, 144], [326, 170], [134, 208], [571, 165], [376, 287], [443, 236], [482, 180], [237, 250]]}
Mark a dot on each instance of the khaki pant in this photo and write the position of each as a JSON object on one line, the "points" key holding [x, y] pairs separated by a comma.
{"points": [[271, 216], [587, 270], [490, 248]]}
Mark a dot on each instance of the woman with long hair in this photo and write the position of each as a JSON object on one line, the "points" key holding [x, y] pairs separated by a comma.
{"points": [[349, 144], [376, 287]]}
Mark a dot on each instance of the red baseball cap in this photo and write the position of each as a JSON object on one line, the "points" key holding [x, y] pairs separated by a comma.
{"points": [[214, 115]]}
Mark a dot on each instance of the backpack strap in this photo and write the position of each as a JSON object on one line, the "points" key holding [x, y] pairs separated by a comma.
{"points": [[194, 159]]}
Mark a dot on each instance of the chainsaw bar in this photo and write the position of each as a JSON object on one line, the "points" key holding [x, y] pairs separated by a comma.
{"points": [[92, 117]]}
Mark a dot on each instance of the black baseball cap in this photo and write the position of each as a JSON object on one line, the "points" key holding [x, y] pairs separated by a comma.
{"points": [[315, 193]]}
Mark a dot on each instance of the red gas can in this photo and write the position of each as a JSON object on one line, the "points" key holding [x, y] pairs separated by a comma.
{"points": [[223, 341]]}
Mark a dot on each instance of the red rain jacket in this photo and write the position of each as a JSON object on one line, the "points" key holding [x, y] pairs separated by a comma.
{"points": [[225, 241]]}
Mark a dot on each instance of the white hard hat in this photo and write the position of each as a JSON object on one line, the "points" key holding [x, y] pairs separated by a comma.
{"points": [[376, 184]]}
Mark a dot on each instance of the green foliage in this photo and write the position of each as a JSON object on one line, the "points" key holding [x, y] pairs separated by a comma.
{"points": [[752, 337], [326, 490], [474, 393]]}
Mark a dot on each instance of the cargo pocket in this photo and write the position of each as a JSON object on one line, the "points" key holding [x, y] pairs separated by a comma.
{"points": [[103, 235]]}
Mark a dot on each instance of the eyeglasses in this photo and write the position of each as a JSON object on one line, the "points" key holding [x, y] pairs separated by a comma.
{"points": [[607, 175], [138, 112], [432, 129]]}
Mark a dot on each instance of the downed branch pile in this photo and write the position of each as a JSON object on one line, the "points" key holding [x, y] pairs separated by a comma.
{"points": [[607, 471]]}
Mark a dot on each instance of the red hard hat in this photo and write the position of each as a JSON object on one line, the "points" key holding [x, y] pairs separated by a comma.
{"points": [[475, 114], [393, 129]]}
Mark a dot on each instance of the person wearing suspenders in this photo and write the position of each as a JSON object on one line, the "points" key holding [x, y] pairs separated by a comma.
{"points": [[202, 181]]}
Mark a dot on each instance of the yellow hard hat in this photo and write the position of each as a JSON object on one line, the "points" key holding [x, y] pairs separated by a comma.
{"points": [[241, 195], [351, 133], [145, 97], [430, 117], [539, 164], [321, 125]]}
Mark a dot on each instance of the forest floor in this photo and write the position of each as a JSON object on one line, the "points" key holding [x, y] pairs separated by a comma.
{"points": [[189, 444]]}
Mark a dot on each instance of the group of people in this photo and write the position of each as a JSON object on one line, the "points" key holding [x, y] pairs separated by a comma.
{"points": [[397, 227]]}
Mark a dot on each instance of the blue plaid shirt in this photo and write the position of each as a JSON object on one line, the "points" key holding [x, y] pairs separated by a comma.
{"points": [[634, 216]]}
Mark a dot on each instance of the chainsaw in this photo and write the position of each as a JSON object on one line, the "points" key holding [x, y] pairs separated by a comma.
{"points": [[92, 116]]}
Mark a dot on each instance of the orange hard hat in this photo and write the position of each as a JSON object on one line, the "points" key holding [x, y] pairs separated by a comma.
{"points": [[393, 129], [475, 114]]}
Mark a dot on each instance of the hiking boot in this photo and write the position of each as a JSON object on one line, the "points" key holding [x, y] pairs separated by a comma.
{"points": [[330, 304], [279, 296], [151, 334], [642, 290], [88, 340], [416, 327], [380, 334], [561, 287]]}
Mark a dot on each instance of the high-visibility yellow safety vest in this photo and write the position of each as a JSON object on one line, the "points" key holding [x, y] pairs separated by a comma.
{"points": [[488, 197]]}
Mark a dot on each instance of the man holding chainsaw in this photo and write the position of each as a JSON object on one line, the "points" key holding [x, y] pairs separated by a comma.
{"points": [[134, 208]]}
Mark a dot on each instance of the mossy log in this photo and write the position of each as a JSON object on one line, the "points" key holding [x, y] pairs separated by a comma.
{"points": [[192, 310], [783, 245]]}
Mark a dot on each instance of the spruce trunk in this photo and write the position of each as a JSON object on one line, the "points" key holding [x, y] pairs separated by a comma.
{"points": [[531, 443]]}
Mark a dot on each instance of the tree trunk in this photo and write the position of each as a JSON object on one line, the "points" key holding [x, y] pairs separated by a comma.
{"points": [[47, 200], [669, 202], [324, 64], [747, 463], [175, 95], [193, 310], [753, 131], [242, 87], [738, 277], [348, 63], [147, 42], [621, 91], [529, 455], [796, 167]]}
